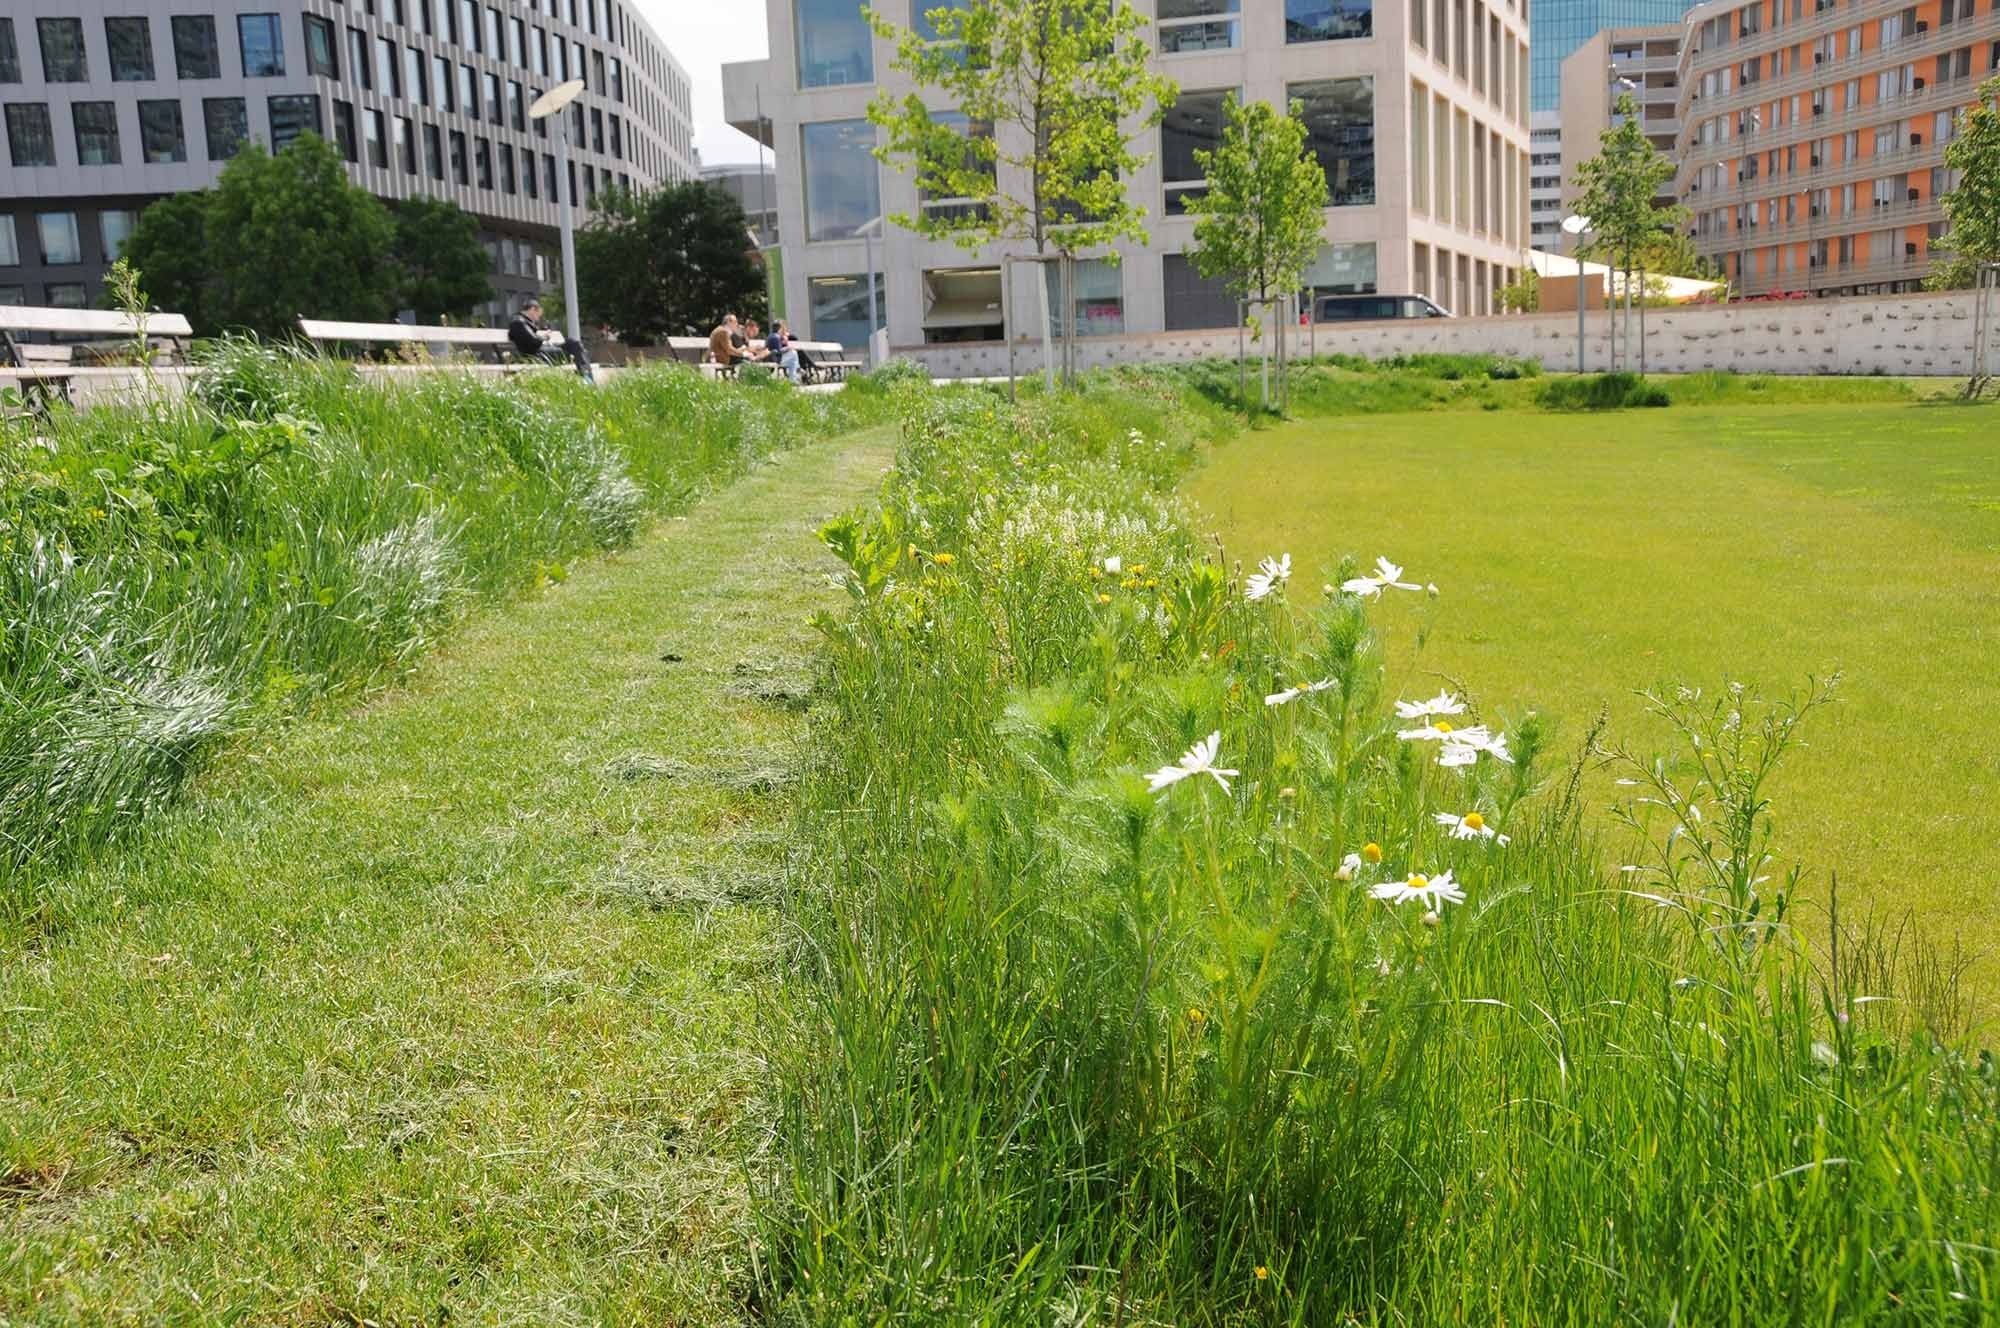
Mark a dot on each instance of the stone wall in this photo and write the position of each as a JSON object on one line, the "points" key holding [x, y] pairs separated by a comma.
{"points": [[1899, 335]]}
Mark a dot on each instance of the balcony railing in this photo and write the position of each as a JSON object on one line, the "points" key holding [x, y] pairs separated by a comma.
{"points": [[1835, 276], [1833, 123], [1904, 159], [1966, 32], [1900, 212]]}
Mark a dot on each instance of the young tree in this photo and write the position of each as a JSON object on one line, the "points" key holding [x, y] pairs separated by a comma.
{"points": [[1618, 187], [170, 248], [1045, 98], [1259, 225], [1972, 211], [667, 263], [442, 267]]}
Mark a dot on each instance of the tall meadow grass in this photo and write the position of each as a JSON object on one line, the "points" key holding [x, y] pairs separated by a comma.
{"points": [[1074, 1049]]}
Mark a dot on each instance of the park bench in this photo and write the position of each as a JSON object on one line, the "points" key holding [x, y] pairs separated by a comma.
{"points": [[47, 371], [324, 332], [694, 351], [830, 361]]}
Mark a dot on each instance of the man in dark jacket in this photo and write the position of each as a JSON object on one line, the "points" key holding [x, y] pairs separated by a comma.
{"points": [[536, 340]]}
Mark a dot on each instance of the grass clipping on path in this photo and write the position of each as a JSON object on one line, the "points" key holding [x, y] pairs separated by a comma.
{"points": [[1167, 971]]}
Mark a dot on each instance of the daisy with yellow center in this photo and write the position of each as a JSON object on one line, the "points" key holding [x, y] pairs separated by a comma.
{"points": [[1432, 892], [1469, 826]]}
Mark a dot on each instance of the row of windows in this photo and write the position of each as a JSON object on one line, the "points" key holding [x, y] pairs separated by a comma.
{"points": [[1461, 172], [31, 139], [129, 42], [1187, 26], [382, 140], [59, 239], [1851, 95], [1473, 44], [1461, 283], [1845, 203]]}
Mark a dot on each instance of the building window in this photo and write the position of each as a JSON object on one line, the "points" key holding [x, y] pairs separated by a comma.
{"points": [[114, 226], [468, 90], [517, 42], [1328, 20], [320, 58], [1420, 148], [62, 50], [96, 132], [539, 48], [599, 82], [1339, 114], [1194, 301], [130, 41], [466, 29], [13, 295], [839, 308], [359, 68], [483, 161], [1100, 299], [549, 175], [227, 122], [406, 145], [506, 169], [530, 182], [459, 174], [493, 46], [441, 83], [10, 245], [162, 137], [1193, 124], [66, 295], [417, 84], [842, 190], [386, 67], [1197, 25], [10, 54], [835, 45], [596, 130], [290, 117], [517, 107], [374, 131], [343, 130], [616, 140], [262, 45], [31, 139], [433, 152], [494, 111], [62, 243], [196, 54]]}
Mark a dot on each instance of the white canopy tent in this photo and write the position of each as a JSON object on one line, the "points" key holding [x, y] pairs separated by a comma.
{"points": [[1563, 267]]}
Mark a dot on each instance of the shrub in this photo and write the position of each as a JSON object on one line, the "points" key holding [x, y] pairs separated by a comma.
{"points": [[1610, 391]]}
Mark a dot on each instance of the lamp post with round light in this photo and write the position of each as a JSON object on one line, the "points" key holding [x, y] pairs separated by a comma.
{"points": [[1576, 227], [546, 105]]}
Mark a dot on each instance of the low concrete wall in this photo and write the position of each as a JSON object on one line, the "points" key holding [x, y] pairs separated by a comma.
{"points": [[1900, 335]]}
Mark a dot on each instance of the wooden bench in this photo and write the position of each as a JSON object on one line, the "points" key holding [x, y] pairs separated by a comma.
{"points": [[44, 372], [694, 351], [830, 362], [494, 340]]}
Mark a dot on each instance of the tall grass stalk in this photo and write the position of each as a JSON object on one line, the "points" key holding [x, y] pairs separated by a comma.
{"points": [[1073, 1051]]}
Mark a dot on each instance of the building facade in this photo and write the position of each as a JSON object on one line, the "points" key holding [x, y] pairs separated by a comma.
{"points": [[1812, 153], [1643, 62], [1560, 26], [1416, 110], [755, 188], [1545, 181], [111, 104]]}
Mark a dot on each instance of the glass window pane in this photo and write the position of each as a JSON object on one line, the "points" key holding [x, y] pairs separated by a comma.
{"points": [[1340, 130], [1199, 25], [227, 122], [343, 130], [61, 241], [386, 67], [433, 152], [130, 41], [290, 117], [10, 53], [1194, 301], [359, 67], [483, 163], [196, 54], [96, 132], [840, 308], [378, 147], [406, 145], [10, 248], [162, 138], [1193, 123], [66, 295], [13, 295], [62, 49], [835, 45], [320, 57], [263, 46], [113, 225], [841, 185], [31, 139], [1328, 20], [1100, 302]]}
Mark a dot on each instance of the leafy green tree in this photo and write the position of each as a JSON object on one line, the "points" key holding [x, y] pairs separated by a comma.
{"points": [[1618, 188], [1259, 225], [1049, 94], [170, 248], [290, 236], [668, 262], [442, 267], [1972, 211]]}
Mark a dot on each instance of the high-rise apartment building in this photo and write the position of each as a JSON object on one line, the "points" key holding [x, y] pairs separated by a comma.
{"points": [[1643, 63], [1812, 155], [1545, 181], [110, 104], [1416, 110], [1560, 26]]}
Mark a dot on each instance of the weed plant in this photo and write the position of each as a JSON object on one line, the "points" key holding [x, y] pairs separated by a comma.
{"points": [[175, 570], [1341, 1016]]}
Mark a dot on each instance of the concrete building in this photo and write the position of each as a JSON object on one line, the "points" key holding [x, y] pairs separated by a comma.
{"points": [[1560, 26], [756, 189], [110, 104], [1417, 111], [1545, 181], [1812, 149], [1644, 62]]}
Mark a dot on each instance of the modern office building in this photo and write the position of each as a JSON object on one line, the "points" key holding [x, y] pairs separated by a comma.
{"points": [[1812, 152], [1545, 181], [1560, 26], [1643, 62], [110, 104], [756, 188], [1417, 111]]}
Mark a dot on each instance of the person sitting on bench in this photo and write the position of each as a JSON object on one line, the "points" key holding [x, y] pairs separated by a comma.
{"points": [[536, 340], [726, 344]]}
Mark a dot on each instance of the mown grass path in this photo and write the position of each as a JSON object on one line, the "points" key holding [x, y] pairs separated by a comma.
{"points": [[442, 1011]]}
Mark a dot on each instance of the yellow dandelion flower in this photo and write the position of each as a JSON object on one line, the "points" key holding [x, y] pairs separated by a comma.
{"points": [[1372, 851], [1103, 598], [1262, 1272], [944, 560]]}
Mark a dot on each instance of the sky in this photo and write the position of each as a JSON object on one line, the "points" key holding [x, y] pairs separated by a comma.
{"points": [[705, 35]]}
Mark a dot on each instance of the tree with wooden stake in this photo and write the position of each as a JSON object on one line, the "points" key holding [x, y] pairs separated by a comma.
{"points": [[1046, 98], [1258, 226], [1971, 239], [1618, 187]]}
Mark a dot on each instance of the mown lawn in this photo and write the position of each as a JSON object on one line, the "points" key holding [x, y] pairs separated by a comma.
{"points": [[1589, 556]]}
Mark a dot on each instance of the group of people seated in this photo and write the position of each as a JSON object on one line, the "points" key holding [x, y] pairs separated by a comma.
{"points": [[733, 343]]}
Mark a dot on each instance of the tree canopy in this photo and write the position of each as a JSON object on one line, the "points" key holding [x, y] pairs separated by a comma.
{"points": [[668, 262], [1259, 225], [1972, 210], [1619, 186], [441, 265], [1048, 97]]}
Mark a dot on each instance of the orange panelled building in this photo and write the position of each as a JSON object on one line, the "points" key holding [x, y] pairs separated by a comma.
{"points": [[1811, 154]]}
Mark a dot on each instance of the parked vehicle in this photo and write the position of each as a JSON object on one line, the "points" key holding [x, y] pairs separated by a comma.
{"points": [[1375, 308]]}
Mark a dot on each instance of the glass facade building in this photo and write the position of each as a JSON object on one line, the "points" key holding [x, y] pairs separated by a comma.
{"points": [[1558, 27]]}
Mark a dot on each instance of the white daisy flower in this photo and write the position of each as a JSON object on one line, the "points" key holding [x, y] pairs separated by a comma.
{"points": [[1199, 760], [1349, 866], [1443, 730], [1385, 578], [1444, 703], [1113, 565], [1271, 573], [1469, 826], [1294, 693], [1463, 746], [1430, 891]]}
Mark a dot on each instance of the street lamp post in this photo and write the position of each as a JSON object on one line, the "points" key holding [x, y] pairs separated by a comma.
{"points": [[1576, 227], [548, 104], [867, 230]]}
